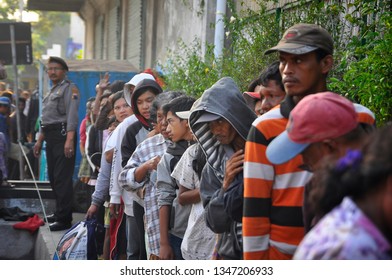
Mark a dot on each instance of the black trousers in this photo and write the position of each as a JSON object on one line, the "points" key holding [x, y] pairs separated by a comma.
{"points": [[138, 212], [60, 173]]}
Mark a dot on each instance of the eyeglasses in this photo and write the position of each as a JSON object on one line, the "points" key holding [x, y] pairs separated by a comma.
{"points": [[55, 69]]}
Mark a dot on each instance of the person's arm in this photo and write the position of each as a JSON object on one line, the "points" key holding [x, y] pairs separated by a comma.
{"points": [[72, 99], [134, 175], [145, 168], [101, 190], [69, 144], [109, 155], [102, 85], [38, 144], [166, 194], [211, 192], [187, 196], [129, 142], [102, 119], [82, 136], [115, 191], [165, 250], [233, 186], [186, 178]]}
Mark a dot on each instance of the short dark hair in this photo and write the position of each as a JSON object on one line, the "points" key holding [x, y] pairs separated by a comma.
{"points": [[178, 104], [105, 94], [253, 84], [162, 99], [117, 96], [116, 86], [320, 54], [271, 73]]}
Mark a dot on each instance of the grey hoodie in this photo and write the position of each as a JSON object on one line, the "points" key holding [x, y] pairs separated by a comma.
{"points": [[223, 99]]}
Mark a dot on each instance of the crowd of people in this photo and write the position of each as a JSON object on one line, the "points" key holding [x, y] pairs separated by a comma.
{"points": [[285, 170], [12, 141]]}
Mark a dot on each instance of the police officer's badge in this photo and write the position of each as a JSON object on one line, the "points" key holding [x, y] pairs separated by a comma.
{"points": [[75, 93]]}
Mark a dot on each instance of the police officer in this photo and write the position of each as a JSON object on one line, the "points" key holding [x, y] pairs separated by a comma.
{"points": [[59, 122]]}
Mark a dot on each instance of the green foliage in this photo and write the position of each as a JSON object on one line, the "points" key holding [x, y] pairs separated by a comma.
{"points": [[367, 78], [362, 36], [8, 7], [187, 72], [43, 28]]}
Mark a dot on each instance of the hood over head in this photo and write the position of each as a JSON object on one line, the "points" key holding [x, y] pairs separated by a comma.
{"points": [[142, 87], [225, 100], [133, 82]]}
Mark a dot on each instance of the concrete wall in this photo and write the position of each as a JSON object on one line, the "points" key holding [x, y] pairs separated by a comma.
{"points": [[148, 28], [173, 21]]}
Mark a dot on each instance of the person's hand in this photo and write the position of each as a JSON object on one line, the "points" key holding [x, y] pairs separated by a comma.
{"points": [[166, 252], [233, 166], [69, 149], [37, 149], [151, 133], [92, 210], [114, 210], [153, 163], [104, 81]]}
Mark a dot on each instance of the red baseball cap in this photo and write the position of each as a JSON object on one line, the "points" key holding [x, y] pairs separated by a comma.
{"points": [[317, 117], [254, 95]]}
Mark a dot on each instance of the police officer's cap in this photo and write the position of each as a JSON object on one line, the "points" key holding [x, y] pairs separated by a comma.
{"points": [[59, 60]]}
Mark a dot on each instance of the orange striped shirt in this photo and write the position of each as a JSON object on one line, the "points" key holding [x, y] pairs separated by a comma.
{"points": [[273, 195]]}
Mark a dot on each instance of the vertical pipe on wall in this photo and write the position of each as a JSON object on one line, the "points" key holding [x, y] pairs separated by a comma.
{"points": [[219, 28]]}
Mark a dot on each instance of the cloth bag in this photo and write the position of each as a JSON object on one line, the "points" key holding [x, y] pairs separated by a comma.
{"points": [[78, 243]]}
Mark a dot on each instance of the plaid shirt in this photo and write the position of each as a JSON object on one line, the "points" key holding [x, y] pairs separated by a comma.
{"points": [[149, 148]]}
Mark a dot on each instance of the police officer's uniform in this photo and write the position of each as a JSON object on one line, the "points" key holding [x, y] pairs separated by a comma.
{"points": [[59, 115]]}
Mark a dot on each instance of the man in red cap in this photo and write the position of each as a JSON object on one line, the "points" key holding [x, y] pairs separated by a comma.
{"points": [[331, 132]]}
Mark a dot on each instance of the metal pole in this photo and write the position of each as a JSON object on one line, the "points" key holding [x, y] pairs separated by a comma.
{"points": [[16, 93], [219, 28]]}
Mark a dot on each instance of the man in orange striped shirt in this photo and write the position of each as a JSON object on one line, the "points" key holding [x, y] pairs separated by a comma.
{"points": [[273, 194]]}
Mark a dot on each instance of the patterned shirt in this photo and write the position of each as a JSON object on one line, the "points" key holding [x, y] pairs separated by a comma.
{"points": [[149, 148], [199, 240], [344, 234]]}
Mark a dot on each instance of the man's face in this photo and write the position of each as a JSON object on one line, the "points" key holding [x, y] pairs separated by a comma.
{"points": [[4, 109], [144, 102], [312, 156], [223, 131], [271, 95], [161, 123], [177, 128], [56, 72], [302, 74], [131, 88], [26, 94], [258, 108]]}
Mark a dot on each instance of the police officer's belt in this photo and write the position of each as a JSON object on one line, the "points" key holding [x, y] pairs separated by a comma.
{"points": [[53, 126]]}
